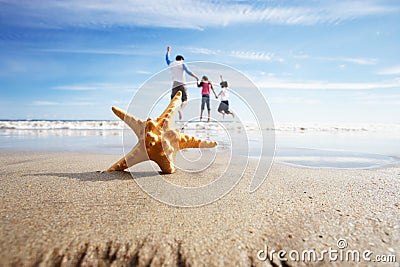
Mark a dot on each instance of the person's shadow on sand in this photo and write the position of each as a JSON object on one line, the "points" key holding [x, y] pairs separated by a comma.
{"points": [[100, 177]]}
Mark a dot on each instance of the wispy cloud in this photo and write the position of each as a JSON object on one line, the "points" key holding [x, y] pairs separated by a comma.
{"points": [[144, 72], [312, 85], [373, 99], [301, 56], [51, 103], [390, 71], [252, 55], [183, 13], [202, 50], [122, 52], [248, 55], [97, 87], [354, 60], [293, 100], [360, 61], [77, 87], [45, 103]]}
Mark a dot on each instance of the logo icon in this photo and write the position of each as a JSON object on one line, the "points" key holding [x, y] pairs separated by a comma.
{"points": [[246, 142]]}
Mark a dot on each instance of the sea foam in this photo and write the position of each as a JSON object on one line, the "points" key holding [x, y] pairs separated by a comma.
{"points": [[195, 125]]}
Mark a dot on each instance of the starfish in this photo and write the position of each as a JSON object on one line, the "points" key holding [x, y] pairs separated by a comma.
{"points": [[156, 140]]}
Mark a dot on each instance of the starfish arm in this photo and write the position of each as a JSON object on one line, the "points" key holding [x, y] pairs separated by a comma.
{"points": [[161, 153], [169, 111], [120, 165], [136, 155], [165, 123], [188, 141], [166, 164], [137, 125]]}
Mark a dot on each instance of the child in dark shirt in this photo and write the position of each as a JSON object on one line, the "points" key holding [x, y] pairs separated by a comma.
{"points": [[224, 105]]}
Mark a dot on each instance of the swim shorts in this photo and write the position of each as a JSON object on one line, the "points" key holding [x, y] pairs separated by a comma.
{"points": [[177, 86], [224, 106]]}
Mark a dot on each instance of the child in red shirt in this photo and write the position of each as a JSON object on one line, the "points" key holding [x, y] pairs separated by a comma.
{"points": [[205, 95]]}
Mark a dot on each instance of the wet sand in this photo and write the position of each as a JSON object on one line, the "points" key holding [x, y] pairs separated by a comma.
{"points": [[56, 210]]}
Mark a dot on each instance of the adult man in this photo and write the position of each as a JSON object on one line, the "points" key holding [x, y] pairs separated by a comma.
{"points": [[178, 69]]}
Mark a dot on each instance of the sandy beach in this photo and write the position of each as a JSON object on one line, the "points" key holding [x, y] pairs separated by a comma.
{"points": [[56, 210]]}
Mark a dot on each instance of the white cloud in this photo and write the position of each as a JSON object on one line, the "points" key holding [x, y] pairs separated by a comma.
{"points": [[97, 87], [184, 13], [374, 99], [380, 97], [381, 102], [77, 88], [301, 56], [79, 103], [293, 100], [276, 84], [354, 60], [51, 103], [121, 52], [248, 55], [45, 103], [390, 71], [360, 61], [202, 50], [252, 55], [144, 72], [269, 74]]}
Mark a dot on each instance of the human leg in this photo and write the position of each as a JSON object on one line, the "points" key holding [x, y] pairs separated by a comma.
{"points": [[183, 105], [227, 111], [208, 108], [224, 108], [177, 86], [205, 100]]}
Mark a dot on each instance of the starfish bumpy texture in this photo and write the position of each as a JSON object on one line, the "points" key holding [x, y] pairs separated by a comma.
{"points": [[157, 141]]}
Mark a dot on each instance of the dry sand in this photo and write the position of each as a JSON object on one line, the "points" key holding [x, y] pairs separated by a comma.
{"points": [[56, 210]]}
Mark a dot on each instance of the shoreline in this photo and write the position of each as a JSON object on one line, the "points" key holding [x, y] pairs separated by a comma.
{"points": [[342, 149]]}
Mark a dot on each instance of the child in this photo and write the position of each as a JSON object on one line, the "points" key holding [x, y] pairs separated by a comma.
{"points": [[205, 95], [224, 105]]}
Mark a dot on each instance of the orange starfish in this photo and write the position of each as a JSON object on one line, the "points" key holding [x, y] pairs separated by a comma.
{"points": [[157, 141]]}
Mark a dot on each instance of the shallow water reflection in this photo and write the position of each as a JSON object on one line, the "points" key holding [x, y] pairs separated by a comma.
{"points": [[314, 149]]}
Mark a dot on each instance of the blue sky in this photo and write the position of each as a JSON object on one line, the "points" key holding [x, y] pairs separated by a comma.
{"points": [[314, 61]]}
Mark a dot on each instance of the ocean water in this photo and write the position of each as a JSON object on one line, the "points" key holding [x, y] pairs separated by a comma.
{"points": [[308, 145]]}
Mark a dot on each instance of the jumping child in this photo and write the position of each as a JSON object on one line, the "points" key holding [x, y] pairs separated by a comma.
{"points": [[224, 105], [205, 95]]}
